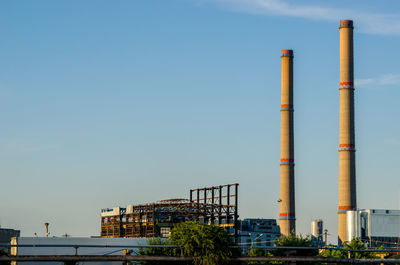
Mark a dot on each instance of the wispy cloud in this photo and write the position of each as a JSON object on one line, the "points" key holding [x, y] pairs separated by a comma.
{"points": [[371, 23], [392, 141], [383, 80]]}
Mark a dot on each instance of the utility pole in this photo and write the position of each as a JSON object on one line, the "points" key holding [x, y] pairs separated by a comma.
{"points": [[326, 237], [47, 229]]}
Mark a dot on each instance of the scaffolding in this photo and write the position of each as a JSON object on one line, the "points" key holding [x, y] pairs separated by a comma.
{"points": [[222, 205], [212, 205], [111, 222]]}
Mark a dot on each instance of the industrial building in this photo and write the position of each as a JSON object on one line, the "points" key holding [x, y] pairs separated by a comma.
{"points": [[5, 236], [317, 230], [212, 205], [376, 227], [257, 233]]}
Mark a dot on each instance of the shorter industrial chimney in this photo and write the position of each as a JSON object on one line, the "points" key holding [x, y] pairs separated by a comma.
{"points": [[287, 215]]}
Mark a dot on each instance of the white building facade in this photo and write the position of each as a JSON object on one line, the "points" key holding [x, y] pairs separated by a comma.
{"points": [[375, 226]]}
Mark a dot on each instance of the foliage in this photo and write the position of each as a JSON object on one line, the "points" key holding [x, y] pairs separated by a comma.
{"points": [[157, 251], [381, 254], [333, 253], [355, 244], [294, 240], [207, 244], [259, 252]]}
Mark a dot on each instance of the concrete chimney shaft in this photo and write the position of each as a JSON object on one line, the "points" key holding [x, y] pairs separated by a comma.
{"points": [[347, 165], [287, 216]]}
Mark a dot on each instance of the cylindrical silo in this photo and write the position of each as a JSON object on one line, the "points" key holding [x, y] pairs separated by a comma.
{"points": [[347, 165], [287, 203], [317, 228]]}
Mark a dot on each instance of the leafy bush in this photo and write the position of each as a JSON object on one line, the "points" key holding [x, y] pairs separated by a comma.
{"points": [[157, 251], [355, 244], [294, 240], [259, 252], [286, 241], [207, 244]]}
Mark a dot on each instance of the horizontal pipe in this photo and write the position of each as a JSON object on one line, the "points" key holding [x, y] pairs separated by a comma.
{"points": [[86, 246], [93, 258], [318, 259], [65, 258], [175, 246]]}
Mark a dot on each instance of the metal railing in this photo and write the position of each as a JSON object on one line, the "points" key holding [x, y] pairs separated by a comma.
{"points": [[130, 258]]}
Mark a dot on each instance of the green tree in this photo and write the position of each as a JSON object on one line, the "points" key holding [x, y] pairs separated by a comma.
{"points": [[355, 244], [207, 244], [157, 251], [334, 253], [259, 252], [294, 240]]}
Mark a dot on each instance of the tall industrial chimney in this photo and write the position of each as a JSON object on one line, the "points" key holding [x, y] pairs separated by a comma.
{"points": [[287, 210], [347, 163]]}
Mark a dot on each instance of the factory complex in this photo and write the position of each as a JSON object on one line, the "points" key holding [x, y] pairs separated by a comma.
{"points": [[212, 205], [219, 205], [216, 205]]}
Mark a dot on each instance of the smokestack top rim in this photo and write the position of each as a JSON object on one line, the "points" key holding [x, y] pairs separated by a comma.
{"points": [[346, 23], [287, 52]]}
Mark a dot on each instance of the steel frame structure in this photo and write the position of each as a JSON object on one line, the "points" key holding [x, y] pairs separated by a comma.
{"points": [[222, 205], [213, 205]]}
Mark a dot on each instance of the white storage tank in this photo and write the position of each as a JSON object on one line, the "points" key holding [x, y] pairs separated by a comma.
{"points": [[317, 228], [352, 222]]}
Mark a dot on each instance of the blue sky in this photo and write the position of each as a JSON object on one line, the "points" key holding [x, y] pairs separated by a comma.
{"points": [[124, 102]]}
